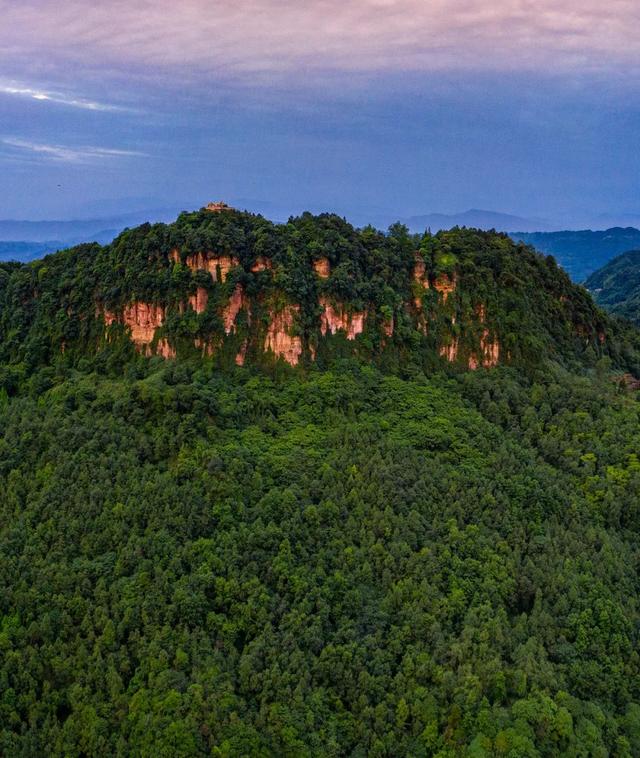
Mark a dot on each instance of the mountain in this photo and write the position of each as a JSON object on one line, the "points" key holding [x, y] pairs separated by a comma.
{"points": [[487, 220], [582, 252], [616, 286], [24, 240], [237, 287], [307, 490], [67, 231], [27, 251]]}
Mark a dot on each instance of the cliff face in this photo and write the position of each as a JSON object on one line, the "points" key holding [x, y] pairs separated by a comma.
{"points": [[335, 318], [279, 332], [239, 289], [217, 265], [280, 338]]}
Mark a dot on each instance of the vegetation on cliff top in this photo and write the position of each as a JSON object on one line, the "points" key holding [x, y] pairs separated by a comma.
{"points": [[504, 292], [347, 559]]}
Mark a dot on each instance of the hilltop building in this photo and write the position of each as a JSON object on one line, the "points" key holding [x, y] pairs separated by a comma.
{"points": [[218, 207]]}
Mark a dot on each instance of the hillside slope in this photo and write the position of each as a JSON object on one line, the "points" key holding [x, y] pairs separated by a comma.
{"points": [[616, 286], [375, 551]]}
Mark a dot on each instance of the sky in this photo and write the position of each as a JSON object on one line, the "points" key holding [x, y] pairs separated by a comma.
{"points": [[369, 108]]}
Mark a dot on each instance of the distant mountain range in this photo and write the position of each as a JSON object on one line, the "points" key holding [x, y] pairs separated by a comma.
{"points": [[25, 240], [582, 252], [477, 219], [28, 251]]}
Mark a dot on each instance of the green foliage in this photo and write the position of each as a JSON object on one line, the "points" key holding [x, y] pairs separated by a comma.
{"points": [[199, 563], [56, 305], [581, 253], [364, 556], [616, 286]]}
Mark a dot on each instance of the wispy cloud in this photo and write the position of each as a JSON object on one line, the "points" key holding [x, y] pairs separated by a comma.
{"points": [[59, 98], [65, 154], [276, 38]]}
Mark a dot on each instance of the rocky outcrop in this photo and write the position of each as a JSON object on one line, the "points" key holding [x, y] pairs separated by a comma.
{"points": [[142, 319], [450, 351], [489, 347], [199, 300], [279, 338], [336, 318], [489, 353], [236, 303], [445, 284], [420, 270], [422, 281], [261, 264], [217, 265], [164, 349], [241, 354], [322, 267]]}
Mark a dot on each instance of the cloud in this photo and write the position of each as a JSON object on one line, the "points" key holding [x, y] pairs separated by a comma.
{"points": [[20, 90], [65, 154], [271, 40]]}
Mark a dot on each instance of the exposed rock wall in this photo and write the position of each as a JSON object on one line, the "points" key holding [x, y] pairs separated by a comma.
{"points": [[336, 318], [199, 301], [217, 265], [489, 353], [261, 264], [279, 338], [164, 349], [236, 303], [241, 354], [445, 285], [322, 267], [450, 351], [144, 319]]}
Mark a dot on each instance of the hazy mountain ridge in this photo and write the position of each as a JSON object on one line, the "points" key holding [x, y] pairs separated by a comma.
{"points": [[582, 252], [477, 219], [616, 286], [28, 251], [579, 252]]}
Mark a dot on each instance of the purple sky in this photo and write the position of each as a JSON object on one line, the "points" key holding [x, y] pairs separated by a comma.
{"points": [[367, 107]]}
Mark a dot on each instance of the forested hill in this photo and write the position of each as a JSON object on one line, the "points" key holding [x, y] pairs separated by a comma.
{"points": [[582, 252], [377, 552], [240, 289], [616, 286]]}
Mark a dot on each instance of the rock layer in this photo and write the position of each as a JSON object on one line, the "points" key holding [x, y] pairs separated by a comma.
{"points": [[217, 265], [279, 338], [336, 318], [144, 319]]}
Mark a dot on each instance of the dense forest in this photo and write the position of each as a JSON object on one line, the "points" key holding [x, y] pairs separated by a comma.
{"points": [[373, 552], [616, 286]]}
